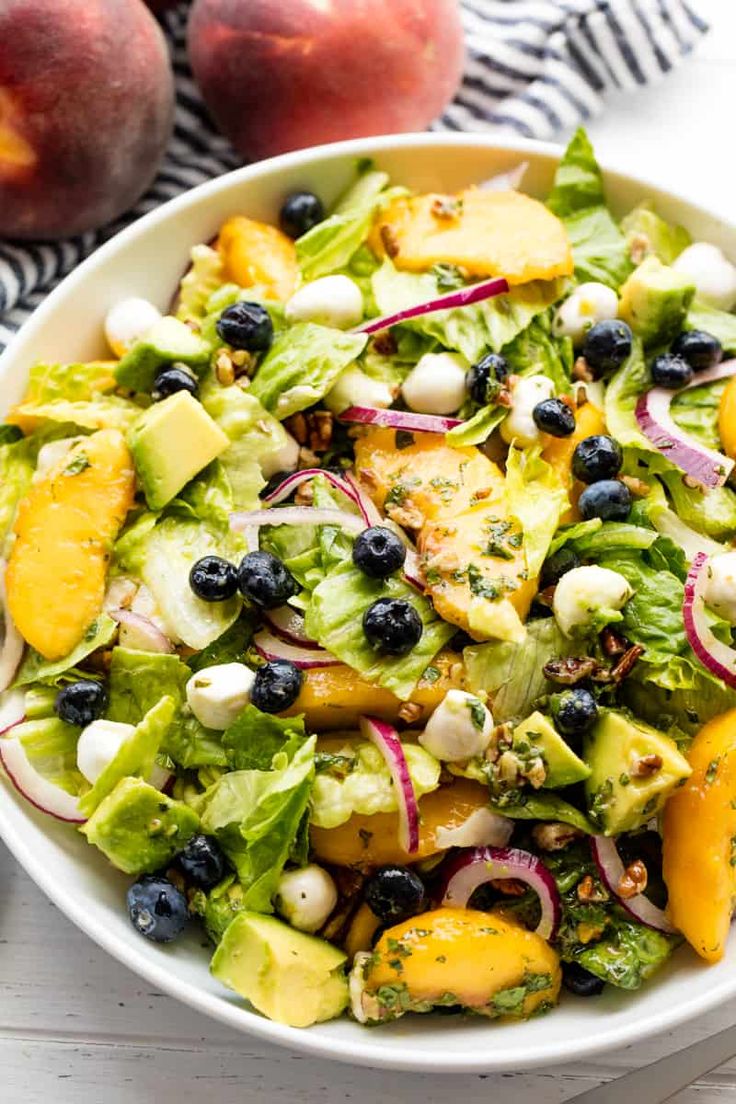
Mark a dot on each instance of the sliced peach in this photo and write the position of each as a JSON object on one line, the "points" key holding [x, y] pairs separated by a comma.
{"points": [[363, 927], [486, 233], [368, 841], [64, 530], [727, 418], [460, 956], [558, 452], [256, 253]]}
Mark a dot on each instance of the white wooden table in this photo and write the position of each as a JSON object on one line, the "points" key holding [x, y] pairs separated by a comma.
{"points": [[78, 1028]]}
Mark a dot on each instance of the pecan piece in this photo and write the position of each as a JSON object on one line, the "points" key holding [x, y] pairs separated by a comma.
{"points": [[384, 343], [613, 643], [633, 880], [581, 371], [646, 766], [627, 662], [570, 670], [390, 241], [589, 891], [555, 836]]}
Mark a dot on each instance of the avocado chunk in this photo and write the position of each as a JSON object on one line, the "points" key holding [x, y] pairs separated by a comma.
{"points": [[167, 341], [538, 736], [138, 828], [654, 301], [171, 442], [633, 770], [292, 978], [645, 230]]}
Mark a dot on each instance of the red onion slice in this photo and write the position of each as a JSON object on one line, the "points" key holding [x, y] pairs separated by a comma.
{"points": [[366, 505], [13, 644], [707, 466], [41, 793], [295, 515], [386, 739], [291, 482], [718, 657], [460, 297], [474, 868], [141, 633], [399, 419], [306, 659], [288, 623], [12, 710], [612, 870]]}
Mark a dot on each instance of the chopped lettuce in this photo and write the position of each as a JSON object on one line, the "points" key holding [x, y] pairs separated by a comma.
{"points": [[537, 499], [51, 747], [103, 412], [696, 411], [330, 244], [688, 707], [71, 382], [228, 648], [720, 323], [527, 805], [17, 465], [208, 497], [478, 428], [205, 276], [136, 756], [302, 365], [254, 738], [35, 668], [536, 351], [647, 232], [257, 816], [334, 617], [711, 511], [629, 954], [606, 536], [578, 198]]}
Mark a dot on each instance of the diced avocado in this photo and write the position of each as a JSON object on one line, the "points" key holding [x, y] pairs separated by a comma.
{"points": [[171, 442], [633, 769], [167, 341], [537, 733], [290, 977], [654, 301], [647, 232], [138, 828]]}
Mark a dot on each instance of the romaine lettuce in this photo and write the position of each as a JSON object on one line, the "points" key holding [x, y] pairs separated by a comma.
{"points": [[103, 412], [51, 747], [205, 276], [478, 428], [711, 511], [720, 323], [254, 738], [537, 351], [537, 499], [696, 411], [228, 648], [35, 668], [330, 244], [17, 465], [72, 382]]}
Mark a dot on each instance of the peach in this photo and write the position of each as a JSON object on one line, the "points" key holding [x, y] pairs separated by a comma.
{"points": [[86, 109], [281, 76]]}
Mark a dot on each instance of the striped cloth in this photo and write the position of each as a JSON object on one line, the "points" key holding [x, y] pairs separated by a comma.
{"points": [[534, 67]]}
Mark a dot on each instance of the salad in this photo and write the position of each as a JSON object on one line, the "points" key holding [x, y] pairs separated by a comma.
{"points": [[374, 608]]}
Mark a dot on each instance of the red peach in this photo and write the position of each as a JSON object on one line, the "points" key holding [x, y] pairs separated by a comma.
{"points": [[283, 75], [86, 108]]}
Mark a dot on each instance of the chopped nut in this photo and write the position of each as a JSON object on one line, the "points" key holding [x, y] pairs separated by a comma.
{"points": [[633, 880], [239, 357], [384, 343], [546, 597], [367, 476], [297, 427], [457, 671], [304, 494], [570, 670], [536, 774], [613, 643], [581, 371], [390, 243], [554, 836], [243, 382], [445, 208], [581, 396], [481, 493], [626, 664], [637, 486], [503, 398], [408, 516], [307, 458], [586, 933], [224, 369], [510, 887], [639, 247], [409, 712], [588, 890], [692, 483], [646, 766], [320, 430], [508, 768], [502, 736]]}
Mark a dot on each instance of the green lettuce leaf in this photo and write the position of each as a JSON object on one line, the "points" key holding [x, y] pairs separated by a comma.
{"points": [[302, 365], [712, 511], [645, 229], [256, 816], [51, 747], [254, 738], [228, 648], [104, 412], [696, 411], [629, 955], [334, 618], [136, 756], [720, 323], [17, 465], [208, 497], [356, 780], [72, 382], [477, 429], [688, 706], [537, 499], [527, 805], [205, 276], [578, 183], [330, 244], [35, 668], [536, 351]]}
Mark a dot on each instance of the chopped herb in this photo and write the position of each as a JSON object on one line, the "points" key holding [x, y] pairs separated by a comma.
{"points": [[712, 771], [433, 576], [79, 464], [431, 674], [477, 713], [448, 276], [398, 948], [624, 780]]}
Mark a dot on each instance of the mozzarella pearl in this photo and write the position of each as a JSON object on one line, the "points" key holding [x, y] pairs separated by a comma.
{"points": [[98, 745], [589, 303], [720, 587], [583, 592], [306, 897], [712, 273], [436, 384], [127, 322], [284, 459], [459, 729], [216, 695], [330, 301], [483, 828], [519, 425], [355, 388]]}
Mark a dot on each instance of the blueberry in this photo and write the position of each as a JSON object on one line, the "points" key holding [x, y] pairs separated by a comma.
{"points": [[597, 457], [276, 687], [557, 565], [580, 981], [671, 371], [393, 626], [264, 579], [378, 552], [246, 326], [213, 579], [81, 703], [201, 862], [394, 893], [157, 908], [701, 350], [575, 711], [171, 380], [555, 417], [483, 377], [609, 499], [606, 346], [300, 212]]}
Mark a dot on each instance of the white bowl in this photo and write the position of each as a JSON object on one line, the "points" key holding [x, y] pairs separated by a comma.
{"points": [[147, 259]]}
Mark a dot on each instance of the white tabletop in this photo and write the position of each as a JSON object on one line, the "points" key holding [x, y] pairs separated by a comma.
{"points": [[78, 1028]]}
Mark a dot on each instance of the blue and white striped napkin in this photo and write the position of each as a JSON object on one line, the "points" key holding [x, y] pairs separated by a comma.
{"points": [[534, 67]]}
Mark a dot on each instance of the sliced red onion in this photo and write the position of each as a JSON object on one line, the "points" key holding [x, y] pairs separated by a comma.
{"points": [[612, 870], [718, 657], [295, 515], [11, 649], [460, 297], [506, 181], [399, 419], [474, 868], [366, 505], [12, 710], [291, 482], [271, 647], [41, 793], [705, 465], [288, 623], [386, 739], [140, 633]]}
